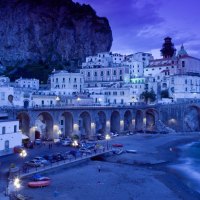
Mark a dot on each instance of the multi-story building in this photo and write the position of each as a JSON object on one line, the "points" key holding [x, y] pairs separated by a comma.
{"points": [[28, 83], [137, 62], [65, 83], [10, 136]]}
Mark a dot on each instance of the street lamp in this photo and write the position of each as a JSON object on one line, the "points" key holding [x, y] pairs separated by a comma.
{"points": [[107, 137], [17, 183], [23, 154], [75, 143]]}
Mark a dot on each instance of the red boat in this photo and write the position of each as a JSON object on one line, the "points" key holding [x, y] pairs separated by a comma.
{"points": [[117, 145], [35, 184]]}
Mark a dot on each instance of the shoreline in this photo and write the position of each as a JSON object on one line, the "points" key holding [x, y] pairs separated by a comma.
{"points": [[125, 176], [172, 177]]}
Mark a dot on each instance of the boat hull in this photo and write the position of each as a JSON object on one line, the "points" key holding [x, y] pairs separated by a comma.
{"points": [[35, 184]]}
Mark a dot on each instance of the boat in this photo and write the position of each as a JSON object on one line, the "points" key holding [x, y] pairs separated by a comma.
{"points": [[117, 145], [118, 152], [35, 184], [38, 177], [131, 151]]}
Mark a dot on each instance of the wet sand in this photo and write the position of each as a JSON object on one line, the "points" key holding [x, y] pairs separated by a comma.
{"points": [[128, 176]]}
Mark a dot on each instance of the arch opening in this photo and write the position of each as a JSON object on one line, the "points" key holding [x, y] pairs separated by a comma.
{"points": [[66, 124], [85, 125], [44, 126], [139, 120], [101, 123], [115, 122], [24, 123], [127, 121], [192, 118]]}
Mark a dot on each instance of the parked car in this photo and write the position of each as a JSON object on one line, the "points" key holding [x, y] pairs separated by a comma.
{"points": [[66, 142], [49, 158], [59, 156], [34, 163], [85, 150], [18, 149], [42, 160]]}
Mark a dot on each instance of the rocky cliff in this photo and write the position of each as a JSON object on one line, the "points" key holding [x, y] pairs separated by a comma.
{"points": [[50, 33]]}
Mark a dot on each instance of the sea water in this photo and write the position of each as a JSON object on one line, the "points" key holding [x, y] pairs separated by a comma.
{"points": [[189, 165]]}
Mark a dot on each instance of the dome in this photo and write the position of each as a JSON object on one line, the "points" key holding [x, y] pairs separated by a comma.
{"points": [[182, 52]]}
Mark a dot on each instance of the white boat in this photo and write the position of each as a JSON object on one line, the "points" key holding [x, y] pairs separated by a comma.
{"points": [[131, 151]]}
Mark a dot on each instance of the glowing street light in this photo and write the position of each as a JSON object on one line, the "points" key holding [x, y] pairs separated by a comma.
{"points": [[57, 98], [17, 183], [107, 137], [75, 143], [23, 154]]}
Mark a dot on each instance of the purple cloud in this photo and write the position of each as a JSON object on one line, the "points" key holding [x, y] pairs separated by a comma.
{"points": [[141, 25]]}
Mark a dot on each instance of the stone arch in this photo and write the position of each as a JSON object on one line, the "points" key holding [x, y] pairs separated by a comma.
{"points": [[192, 118], [66, 124], [151, 118], [101, 123], [139, 120], [24, 122], [85, 124], [128, 121], [115, 122], [44, 125]]}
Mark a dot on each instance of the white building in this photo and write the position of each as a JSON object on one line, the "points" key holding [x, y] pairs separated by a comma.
{"points": [[28, 83], [10, 136], [10, 96], [65, 83], [137, 62]]}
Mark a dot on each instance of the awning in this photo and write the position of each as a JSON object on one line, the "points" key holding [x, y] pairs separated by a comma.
{"points": [[24, 137]]}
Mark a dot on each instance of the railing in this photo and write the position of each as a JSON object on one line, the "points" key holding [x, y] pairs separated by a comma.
{"points": [[32, 170]]}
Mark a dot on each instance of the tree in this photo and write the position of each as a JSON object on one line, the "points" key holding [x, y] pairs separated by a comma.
{"points": [[148, 96]]}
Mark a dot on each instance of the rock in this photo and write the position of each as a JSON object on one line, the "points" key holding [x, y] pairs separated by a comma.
{"points": [[50, 33], [161, 127]]}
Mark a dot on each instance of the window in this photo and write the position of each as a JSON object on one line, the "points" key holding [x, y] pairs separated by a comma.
{"points": [[3, 130], [120, 72], [56, 80], [114, 72], [186, 89], [51, 102], [74, 80], [15, 128], [95, 73], [101, 73], [183, 63], [61, 122], [88, 74], [2, 95], [42, 102], [108, 73], [185, 81]]}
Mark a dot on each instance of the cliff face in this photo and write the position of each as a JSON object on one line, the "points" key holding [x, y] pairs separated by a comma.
{"points": [[50, 32]]}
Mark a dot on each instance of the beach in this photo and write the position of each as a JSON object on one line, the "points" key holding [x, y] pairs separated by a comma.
{"points": [[140, 176]]}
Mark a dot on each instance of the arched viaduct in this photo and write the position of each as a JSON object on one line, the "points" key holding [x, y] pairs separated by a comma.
{"points": [[90, 121]]}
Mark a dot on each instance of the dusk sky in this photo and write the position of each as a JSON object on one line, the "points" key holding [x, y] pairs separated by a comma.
{"points": [[141, 25]]}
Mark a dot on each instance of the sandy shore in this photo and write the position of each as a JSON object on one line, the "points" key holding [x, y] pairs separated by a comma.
{"points": [[139, 176]]}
